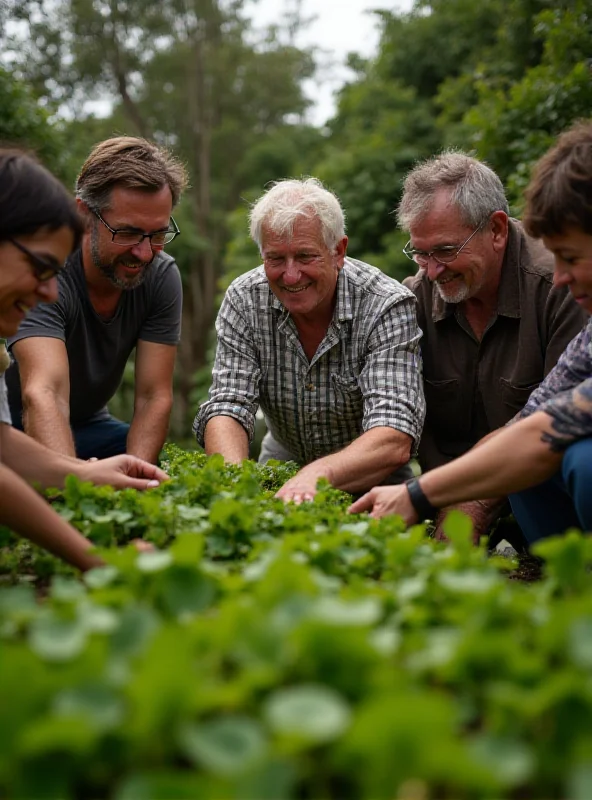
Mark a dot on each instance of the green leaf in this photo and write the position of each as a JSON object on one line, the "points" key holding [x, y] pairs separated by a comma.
{"points": [[311, 712], [154, 561], [55, 639], [225, 746], [511, 761], [334, 611], [580, 642]]}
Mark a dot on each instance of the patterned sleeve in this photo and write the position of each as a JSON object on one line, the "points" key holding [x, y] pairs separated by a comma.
{"points": [[573, 367], [572, 416], [391, 380], [235, 377]]}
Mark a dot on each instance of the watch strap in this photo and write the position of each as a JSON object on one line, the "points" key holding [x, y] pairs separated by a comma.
{"points": [[419, 501]]}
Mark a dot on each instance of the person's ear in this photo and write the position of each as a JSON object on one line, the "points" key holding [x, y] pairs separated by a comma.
{"points": [[499, 230], [340, 251]]}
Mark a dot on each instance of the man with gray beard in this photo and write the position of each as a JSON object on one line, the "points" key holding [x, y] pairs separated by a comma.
{"points": [[118, 292], [493, 324]]}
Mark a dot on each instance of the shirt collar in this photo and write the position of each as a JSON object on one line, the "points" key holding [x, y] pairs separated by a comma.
{"points": [[508, 299]]}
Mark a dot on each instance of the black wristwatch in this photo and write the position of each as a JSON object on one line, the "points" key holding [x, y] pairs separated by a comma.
{"points": [[419, 501]]}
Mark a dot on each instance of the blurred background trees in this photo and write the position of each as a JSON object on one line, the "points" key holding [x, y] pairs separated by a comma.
{"points": [[500, 78]]}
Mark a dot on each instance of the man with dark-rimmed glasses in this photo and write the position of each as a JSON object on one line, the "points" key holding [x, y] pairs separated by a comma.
{"points": [[493, 325], [118, 292]]}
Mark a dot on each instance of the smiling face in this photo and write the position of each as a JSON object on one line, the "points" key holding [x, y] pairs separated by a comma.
{"points": [[131, 210], [302, 271], [475, 273], [20, 288], [573, 264]]}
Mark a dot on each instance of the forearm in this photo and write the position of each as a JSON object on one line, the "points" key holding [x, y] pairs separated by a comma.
{"points": [[149, 428], [34, 462], [46, 418], [226, 436], [514, 459], [367, 461], [24, 512]]}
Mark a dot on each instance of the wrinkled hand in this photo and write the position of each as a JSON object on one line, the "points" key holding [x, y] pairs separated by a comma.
{"points": [[142, 546], [123, 472], [302, 487], [482, 515], [383, 500]]}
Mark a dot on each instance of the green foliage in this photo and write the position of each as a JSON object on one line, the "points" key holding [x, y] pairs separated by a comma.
{"points": [[269, 651], [25, 123]]}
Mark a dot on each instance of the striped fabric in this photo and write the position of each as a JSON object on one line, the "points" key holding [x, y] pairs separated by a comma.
{"points": [[366, 372]]}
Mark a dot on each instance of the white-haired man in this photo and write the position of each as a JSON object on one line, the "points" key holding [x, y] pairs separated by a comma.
{"points": [[328, 347]]}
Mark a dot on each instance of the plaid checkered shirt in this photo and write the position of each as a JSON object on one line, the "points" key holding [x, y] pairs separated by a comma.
{"points": [[366, 372]]}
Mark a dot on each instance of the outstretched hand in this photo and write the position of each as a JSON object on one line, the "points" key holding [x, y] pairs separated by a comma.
{"points": [[123, 472], [383, 500], [303, 486]]}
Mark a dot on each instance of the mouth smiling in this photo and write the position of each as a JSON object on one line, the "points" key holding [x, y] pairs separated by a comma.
{"points": [[444, 281], [296, 289]]}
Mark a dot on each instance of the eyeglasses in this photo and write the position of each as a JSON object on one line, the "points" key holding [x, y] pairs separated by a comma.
{"points": [[126, 238], [443, 255], [44, 270]]}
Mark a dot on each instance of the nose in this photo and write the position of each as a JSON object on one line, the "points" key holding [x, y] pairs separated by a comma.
{"points": [[561, 277], [48, 290], [434, 268], [292, 272], [143, 251]]}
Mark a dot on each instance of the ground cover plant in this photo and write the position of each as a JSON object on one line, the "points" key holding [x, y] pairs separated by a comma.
{"points": [[271, 651]]}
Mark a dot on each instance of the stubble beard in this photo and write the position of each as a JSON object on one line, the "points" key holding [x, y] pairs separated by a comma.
{"points": [[109, 268], [458, 296]]}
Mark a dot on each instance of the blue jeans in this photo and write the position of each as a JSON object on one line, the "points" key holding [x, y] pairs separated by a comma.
{"points": [[562, 502], [100, 438]]}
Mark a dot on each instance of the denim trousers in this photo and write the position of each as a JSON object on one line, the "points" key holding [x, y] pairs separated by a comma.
{"points": [[564, 501]]}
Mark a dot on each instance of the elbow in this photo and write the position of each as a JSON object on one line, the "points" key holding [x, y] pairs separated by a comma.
{"points": [[36, 399]]}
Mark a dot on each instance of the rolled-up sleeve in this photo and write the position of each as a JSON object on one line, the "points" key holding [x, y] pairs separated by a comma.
{"points": [[391, 380], [236, 374]]}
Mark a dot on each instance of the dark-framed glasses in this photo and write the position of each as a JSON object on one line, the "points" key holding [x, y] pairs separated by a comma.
{"points": [[127, 238], [44, 270], [443, 255]]}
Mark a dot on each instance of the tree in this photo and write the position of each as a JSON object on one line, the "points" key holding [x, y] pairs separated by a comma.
{"points": [[185, 73]]}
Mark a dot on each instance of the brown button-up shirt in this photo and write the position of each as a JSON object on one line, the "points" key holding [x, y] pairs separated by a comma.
{"points": [[473, 387]]}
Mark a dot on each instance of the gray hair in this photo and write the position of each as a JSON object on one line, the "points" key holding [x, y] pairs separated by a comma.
{"points": [[475, 189], [288, 200]]}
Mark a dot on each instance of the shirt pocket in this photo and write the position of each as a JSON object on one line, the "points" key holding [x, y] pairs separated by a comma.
{"points": [[515, 396], [448, 412], [346, 398]]}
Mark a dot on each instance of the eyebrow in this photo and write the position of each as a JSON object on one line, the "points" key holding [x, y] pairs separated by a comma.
{"points": [[47, 257]]}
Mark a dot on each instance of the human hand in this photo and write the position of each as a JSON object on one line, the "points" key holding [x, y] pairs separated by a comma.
{"points": [[481, 512], [383, 500], [143, 546], [302, 487], [123, 472]]}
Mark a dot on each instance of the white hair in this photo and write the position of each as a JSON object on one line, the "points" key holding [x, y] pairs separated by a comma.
{"points": [[291, 199]]}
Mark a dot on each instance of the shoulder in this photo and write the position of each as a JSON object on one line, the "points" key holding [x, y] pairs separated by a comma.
{"points": [[535, 262], [368, 281], [163, 269], [252, 288]]}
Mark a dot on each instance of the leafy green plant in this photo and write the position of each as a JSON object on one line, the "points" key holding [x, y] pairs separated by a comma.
{"points": [[279, 651]]}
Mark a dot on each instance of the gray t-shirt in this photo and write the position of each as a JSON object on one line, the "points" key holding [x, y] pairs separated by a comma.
{"points": [[98, 349], [4, 410]]}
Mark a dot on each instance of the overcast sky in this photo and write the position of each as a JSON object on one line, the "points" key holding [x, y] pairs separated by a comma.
{"points": [[340, 27]]}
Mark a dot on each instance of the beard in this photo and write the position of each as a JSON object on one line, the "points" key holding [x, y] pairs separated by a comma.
{"points": [[458, 295], [109, 268]]}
